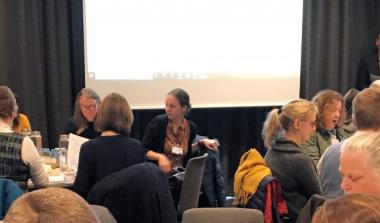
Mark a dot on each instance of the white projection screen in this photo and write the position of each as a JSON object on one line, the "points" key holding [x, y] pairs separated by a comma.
{"points": [[224, 53]]}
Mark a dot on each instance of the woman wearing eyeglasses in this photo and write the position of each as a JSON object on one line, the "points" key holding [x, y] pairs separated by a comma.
{"points": [[113, 150], [284, 131], [82, 123]]}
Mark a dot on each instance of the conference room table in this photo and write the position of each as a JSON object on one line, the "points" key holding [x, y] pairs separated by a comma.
{"points": [[57, 176]]}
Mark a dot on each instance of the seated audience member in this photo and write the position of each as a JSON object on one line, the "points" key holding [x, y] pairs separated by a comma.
{"points": [[351, 208], [330, 117], [168, 138], [366, 107], [50, 205], [360, 164], [21, 122], [284, 131], [348, 126], [82, 123], [359, 167], [113, 150], [19, 157]]}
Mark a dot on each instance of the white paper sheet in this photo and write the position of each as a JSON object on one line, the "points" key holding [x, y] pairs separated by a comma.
{"points": [[75, 142], [59, 178]]}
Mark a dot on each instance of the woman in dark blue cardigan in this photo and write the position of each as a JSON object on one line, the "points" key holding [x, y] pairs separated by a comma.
{"points": [[113, 150]]}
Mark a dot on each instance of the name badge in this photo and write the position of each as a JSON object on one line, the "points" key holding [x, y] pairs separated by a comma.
{"points": [[177, 150]]}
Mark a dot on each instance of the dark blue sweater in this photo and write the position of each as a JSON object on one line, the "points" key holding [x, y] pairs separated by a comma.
{"points": [[104, 155]]}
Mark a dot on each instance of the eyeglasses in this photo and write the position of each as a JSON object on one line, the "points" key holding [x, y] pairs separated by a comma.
{"points": [[312, 123], [88, 107]]}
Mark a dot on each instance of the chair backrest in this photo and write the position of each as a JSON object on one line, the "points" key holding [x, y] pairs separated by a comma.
{"points": [[191, 184], [138, 194], [222, 215]]}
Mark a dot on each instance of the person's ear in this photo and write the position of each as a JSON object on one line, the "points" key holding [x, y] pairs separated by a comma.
{"points": [[353, 120], [297, 124]]}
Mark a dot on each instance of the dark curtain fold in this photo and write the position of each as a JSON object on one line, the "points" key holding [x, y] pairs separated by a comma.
{"points": [[335, 35], [41, 59]]}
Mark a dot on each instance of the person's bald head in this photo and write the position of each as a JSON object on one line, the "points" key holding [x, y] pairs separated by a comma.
{"points": [[375, 84], [50, 205]]}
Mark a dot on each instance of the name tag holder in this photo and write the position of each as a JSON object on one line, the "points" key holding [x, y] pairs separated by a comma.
{"points": [[177, 150]]}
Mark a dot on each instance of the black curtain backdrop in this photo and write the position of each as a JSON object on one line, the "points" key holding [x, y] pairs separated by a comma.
{"points": [[335, 35], [41, 59]]}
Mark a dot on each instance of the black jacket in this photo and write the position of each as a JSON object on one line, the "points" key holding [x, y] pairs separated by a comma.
{"points": [[213, 185], [89, 132], [138, 194], [368, 65]]}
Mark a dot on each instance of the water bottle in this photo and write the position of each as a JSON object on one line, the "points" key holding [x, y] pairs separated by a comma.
{"points": [[63, 147]]}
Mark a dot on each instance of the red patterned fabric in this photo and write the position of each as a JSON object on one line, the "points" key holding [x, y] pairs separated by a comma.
{"points": [[274, 195]]}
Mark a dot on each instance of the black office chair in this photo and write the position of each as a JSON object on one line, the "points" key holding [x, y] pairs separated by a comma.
{"points": [[191, 184]]}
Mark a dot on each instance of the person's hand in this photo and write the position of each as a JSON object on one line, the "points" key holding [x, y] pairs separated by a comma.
{"points": [[211, 144], [164, 163]]}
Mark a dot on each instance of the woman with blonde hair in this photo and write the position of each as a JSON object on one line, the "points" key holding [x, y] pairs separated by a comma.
{"points": [[360, 164], [113, 150], [351, 208], [284, 131], [329, 122]]}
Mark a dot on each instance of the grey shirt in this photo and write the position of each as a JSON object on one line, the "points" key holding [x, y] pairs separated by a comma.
{"points": [[328, 168]]}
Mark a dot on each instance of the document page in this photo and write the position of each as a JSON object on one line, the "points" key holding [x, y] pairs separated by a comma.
{"points": [[75, 143]]}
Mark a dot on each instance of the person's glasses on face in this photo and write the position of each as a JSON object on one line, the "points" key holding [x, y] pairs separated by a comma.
{"points": [[88, 107], [311, 123]]}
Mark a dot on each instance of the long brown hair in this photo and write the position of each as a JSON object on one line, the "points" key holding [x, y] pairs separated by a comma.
{"points": [[324, 98]]}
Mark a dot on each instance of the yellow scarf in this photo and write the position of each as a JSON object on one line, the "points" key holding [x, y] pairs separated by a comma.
{"points": [[252, 169]]}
